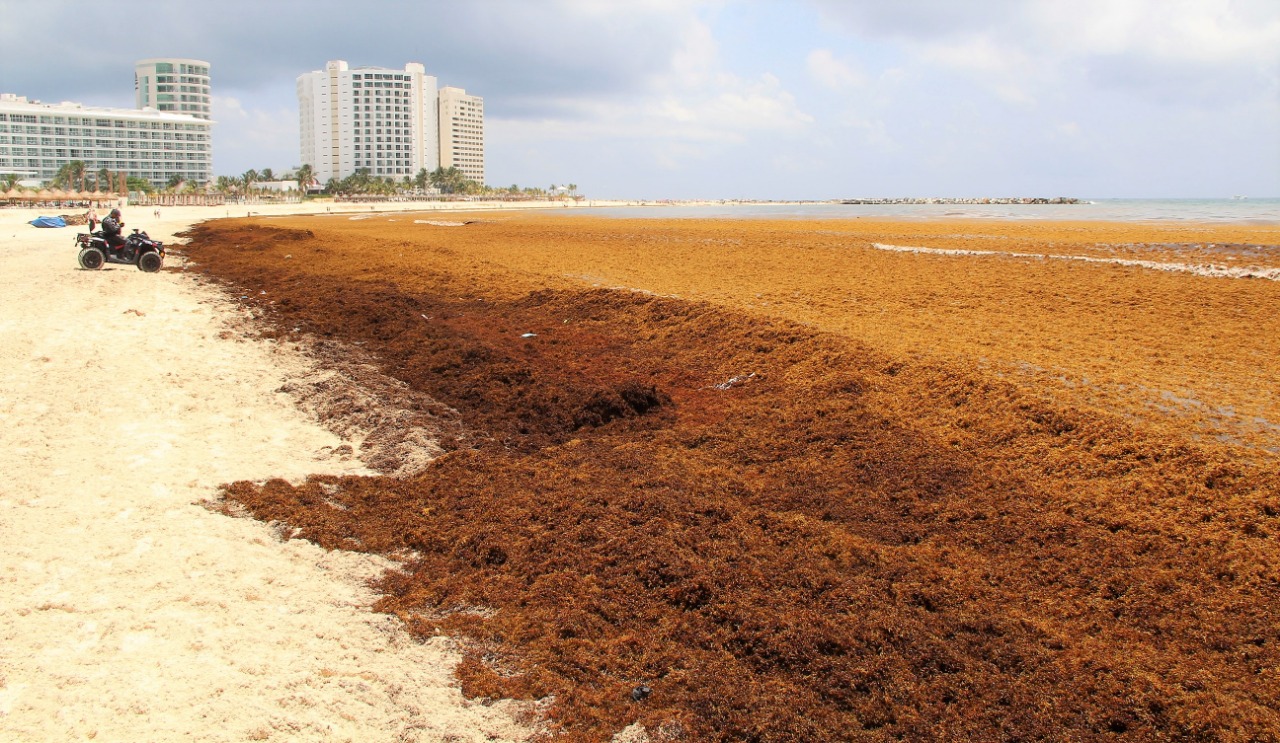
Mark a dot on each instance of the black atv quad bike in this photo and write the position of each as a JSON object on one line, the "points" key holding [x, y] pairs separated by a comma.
{"points": [[138, 249]]}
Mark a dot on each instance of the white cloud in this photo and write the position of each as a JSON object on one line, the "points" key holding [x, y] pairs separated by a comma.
{"points": [[697, 99], [226, 108], [695, 62], [749, 106], [1158, 49], [1068, 129], [694, 99], [1006, 71], [870, 133], [831, 72], [1209, 31], [978, 54], [244, 130], [722, 110]]}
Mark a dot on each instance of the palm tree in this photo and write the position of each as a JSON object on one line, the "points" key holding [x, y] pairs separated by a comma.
{"points": [[358, 182], [448, 180], [228, 184], [71, 174], [437, 179], [249, 177], [305, 175], [62, 177], [267, 175], [175, 182], [136, 183]]}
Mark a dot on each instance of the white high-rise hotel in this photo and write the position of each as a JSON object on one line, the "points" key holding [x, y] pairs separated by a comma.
{"points": [[462, 132], [176, 85], [385, 122], [167, 137]]}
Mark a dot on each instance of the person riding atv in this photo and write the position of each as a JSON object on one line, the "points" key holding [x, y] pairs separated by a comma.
{"points": [[112, 228]]}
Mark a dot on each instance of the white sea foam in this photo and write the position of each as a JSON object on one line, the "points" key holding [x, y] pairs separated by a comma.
{"points": [[1230, 272]]}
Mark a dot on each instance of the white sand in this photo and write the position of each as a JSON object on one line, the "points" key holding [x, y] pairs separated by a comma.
{"points": [[128, 612]]}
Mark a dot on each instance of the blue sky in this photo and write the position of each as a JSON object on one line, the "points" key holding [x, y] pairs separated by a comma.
{"points": [[808, 99]]}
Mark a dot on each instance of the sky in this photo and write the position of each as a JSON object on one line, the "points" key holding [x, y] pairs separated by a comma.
{"points": [[736, 99]]}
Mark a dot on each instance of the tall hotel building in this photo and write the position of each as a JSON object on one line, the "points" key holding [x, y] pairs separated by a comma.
{"points": [[175, 85], [462, 133], [369, 118], [389, 123], [37, 139], [168, 135]]}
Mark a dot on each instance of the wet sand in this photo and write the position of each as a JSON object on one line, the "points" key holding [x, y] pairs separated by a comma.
{"points": [[798, 478]]}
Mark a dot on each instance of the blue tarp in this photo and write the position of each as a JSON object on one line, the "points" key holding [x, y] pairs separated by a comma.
{"points": [[49, 222]]}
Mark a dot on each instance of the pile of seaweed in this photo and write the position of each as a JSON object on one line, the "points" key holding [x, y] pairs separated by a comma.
{"points": [[729, 527]]}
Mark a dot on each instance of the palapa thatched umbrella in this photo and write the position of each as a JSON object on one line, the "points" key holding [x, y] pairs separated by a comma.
{"points": [[44, 195], [13, 194]]}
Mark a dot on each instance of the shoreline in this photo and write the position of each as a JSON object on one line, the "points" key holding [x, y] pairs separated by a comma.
{"points": [[1257, 212]]}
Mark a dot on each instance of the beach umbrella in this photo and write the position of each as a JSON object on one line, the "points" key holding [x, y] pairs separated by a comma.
{"points": [[44, 195], [13, 194], [29, 196]]}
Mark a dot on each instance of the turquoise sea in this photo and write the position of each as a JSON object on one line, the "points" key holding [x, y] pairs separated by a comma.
{"points": [[1244, 211]]}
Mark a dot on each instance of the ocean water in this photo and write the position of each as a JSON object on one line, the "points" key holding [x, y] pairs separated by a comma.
{"points": [[1243, 211]]}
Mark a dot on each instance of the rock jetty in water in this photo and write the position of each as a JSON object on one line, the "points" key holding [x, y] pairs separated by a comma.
{"points": [[1018, 200]]}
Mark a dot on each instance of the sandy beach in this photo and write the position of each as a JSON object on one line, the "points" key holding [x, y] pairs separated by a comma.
{"points": [[128, 610]]}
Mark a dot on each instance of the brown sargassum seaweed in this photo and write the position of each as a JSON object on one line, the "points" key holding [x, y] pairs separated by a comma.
{"points": [[784, 532]]}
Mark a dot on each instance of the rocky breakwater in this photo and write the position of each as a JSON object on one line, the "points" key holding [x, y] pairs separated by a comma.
{"points": [[1010, 200]]}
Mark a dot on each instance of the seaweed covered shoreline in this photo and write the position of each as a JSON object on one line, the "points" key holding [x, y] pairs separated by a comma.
{"points": [[730, 523]]}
